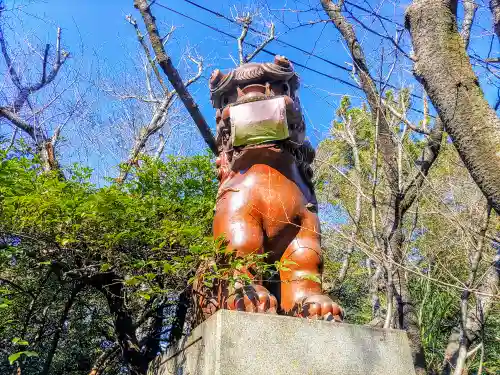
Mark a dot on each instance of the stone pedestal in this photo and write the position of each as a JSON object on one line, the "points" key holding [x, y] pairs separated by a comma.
{"points": [[236, 343]]}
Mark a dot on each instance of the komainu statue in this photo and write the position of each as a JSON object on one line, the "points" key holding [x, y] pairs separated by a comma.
{"points": [[266, 202]]}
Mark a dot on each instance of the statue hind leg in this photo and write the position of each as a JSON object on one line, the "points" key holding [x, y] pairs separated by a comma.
{"points": [[301, 293]]}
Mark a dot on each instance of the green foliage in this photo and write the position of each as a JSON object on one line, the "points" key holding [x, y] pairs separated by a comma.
{"points": [[226, 266], [14, 357], [438, 314], [150, 232], [164, 206]]}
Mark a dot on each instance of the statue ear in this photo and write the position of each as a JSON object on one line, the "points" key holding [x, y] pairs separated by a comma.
{"points": [[286, 88]]}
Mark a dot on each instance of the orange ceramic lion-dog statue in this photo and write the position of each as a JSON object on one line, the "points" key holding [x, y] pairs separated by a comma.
{"points": [[266, 201]]}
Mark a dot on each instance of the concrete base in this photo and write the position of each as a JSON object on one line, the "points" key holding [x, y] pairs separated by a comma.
{"points": [[236, 343]]}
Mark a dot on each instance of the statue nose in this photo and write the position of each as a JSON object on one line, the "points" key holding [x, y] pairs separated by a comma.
{"points": [[252, 92]]}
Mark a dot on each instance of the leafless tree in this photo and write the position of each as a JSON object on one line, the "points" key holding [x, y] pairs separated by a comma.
{"points": [[246, 20], [159, 101], [168, 68], [471, 322], [30, 105], [402, 194]]}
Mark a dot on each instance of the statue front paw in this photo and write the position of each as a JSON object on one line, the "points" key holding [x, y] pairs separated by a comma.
{"points": [[320, 306], [252, 298]]}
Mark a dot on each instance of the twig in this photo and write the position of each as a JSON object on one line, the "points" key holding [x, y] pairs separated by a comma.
{"points": [[140, 38], [263, 44], [246, 21], [161, 146], [12, 140], [403, 118], [199, 64]]}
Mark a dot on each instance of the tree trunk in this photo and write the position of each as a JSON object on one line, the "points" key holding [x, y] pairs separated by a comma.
{"points": [[495, 11], [407, 318], [47, 156], [442, 65], [475, 317], [408, 321], [151, 343], [125, 331], [57, 335], [180, 316]]}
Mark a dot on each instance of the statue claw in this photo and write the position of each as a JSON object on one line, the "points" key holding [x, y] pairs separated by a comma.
{"points": [[252, 298], [320, 307]]}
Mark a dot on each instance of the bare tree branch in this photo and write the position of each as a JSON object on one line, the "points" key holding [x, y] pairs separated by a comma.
{"points": [[139, 98], [429, 156], [495, 11], [140, 38], [17, 121], [263, 44], [10, 66], [493, 60], [161, 146], [246, 21], [44, 144], [350, 138], [199, 64], [171, 72], [470, 8], [145, 133], [44, 62], [393, 41], [157, 122], [404, 119], [387, 146], [61, 57], [12, 140], [425, 120]]}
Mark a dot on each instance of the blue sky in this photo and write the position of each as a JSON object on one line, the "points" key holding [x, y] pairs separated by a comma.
{"points": [[97, 35], [101, 27]]}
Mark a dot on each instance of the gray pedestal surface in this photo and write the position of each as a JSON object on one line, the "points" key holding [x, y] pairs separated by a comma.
{"points": [[236, 343]]}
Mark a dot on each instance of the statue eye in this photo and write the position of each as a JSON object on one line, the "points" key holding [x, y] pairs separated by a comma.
{"points": [[286, 88]]}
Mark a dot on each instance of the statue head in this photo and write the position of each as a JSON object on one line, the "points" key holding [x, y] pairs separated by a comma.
{"points": [[257, 103]]}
